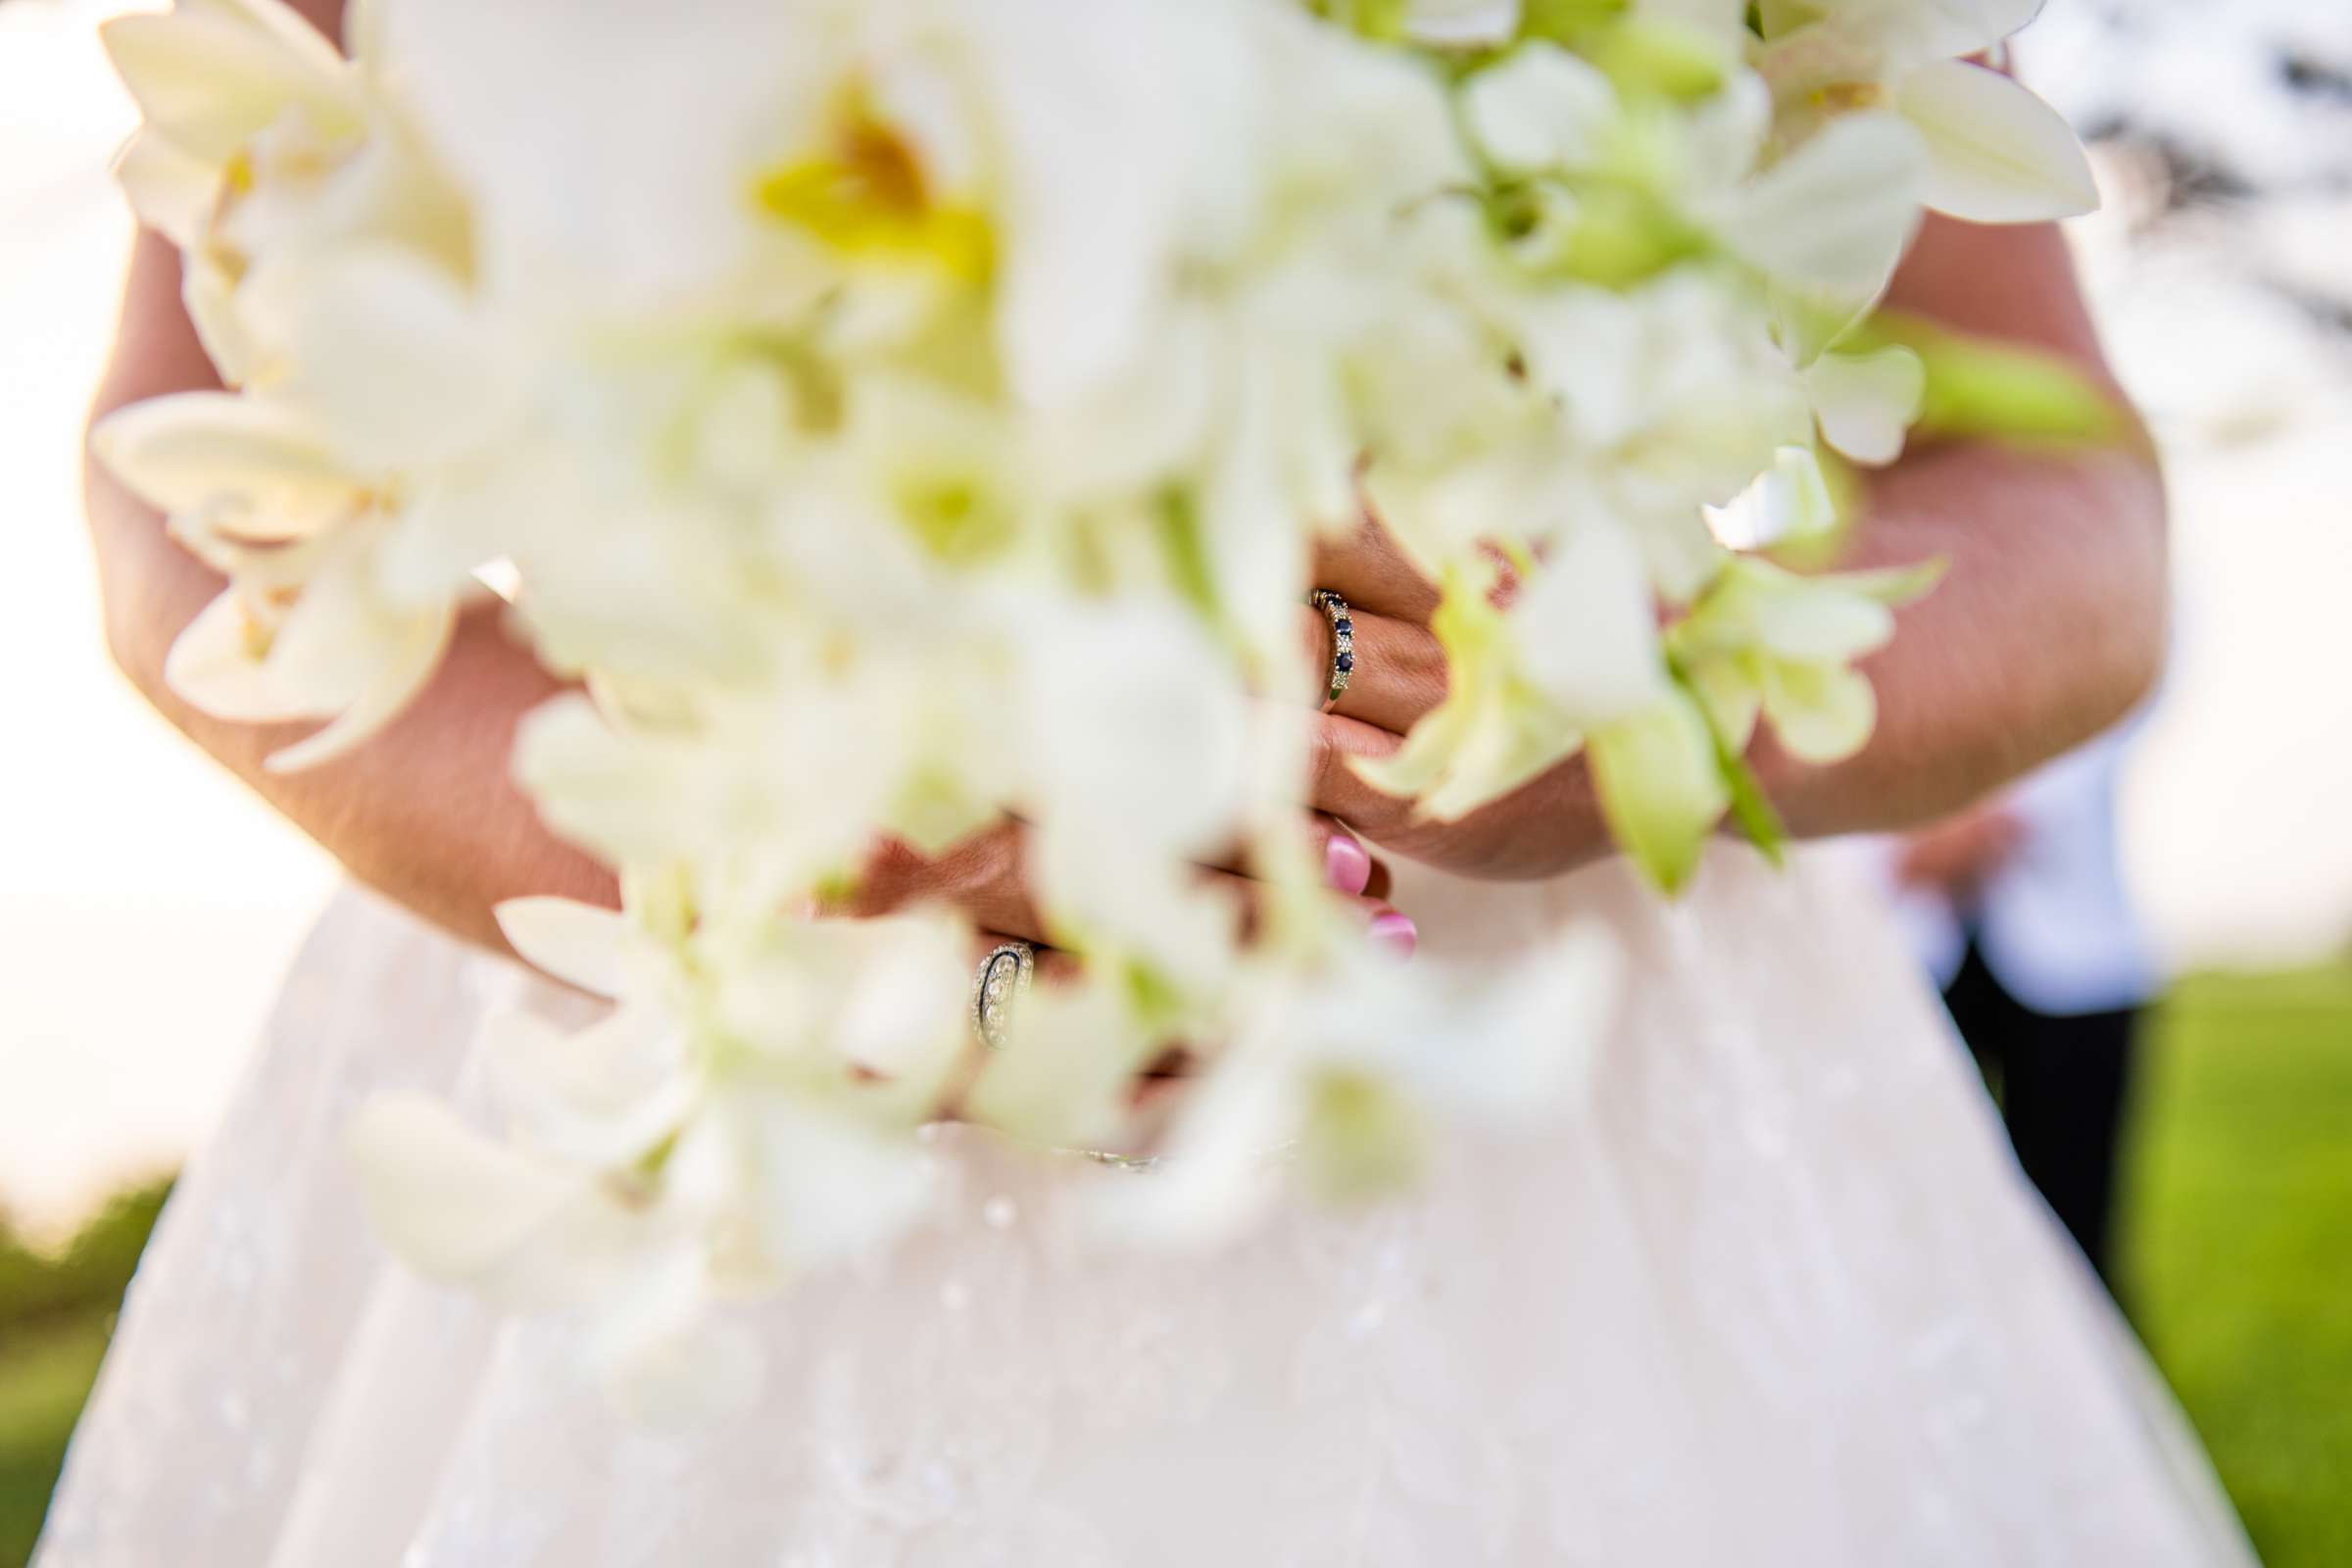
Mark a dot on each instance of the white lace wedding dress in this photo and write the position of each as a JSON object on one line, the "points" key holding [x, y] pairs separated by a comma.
{"points": [[1774, 1295]]}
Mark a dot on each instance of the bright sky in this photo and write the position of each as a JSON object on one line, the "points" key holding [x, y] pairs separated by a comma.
{"points": [[148, 906]]}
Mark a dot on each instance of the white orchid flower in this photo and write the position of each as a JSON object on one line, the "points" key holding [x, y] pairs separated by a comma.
{"points": [[1068, 1065], [1829, 221], [1344, 1076], [873, 1009], [308, 628], [1768, 642], [261, 145], [1672, 387], [1578, 650], [1662, 787], [1136, 766], [212, 77], [293, 496], [1789, 501], [1543, 107], [1867, 399], [1461, 23], [527, 1230], [893, 161], [706, 1136], [1994, 151]]}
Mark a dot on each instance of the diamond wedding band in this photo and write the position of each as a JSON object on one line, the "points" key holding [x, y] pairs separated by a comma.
{"points": [[1343, 642], [1002, 975]]}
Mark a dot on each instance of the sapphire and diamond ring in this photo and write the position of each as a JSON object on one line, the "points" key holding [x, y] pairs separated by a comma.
{"points": [[1343, 642]]}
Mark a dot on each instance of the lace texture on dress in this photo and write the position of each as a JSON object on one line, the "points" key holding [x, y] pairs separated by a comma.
{"points": [[1773, 1293]]}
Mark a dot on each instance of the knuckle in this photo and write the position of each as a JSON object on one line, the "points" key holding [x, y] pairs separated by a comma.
{"points": [[894, 873], [1314, 634], [991, 859], [1324, 760]]}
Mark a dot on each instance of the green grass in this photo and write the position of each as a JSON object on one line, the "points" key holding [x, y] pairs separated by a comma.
{"points": [[55, 1314], [2237, 1243], [2237, 1264]]}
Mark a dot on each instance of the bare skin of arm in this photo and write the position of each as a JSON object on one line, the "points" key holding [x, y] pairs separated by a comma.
{"points": [[2050, 624], [424, 812]]}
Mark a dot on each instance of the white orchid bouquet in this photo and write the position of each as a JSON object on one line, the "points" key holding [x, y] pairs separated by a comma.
{"points": [[897, 415]]}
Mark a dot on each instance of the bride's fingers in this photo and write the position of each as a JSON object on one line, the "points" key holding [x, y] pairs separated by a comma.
{"points": [[1334, 744], [1349, 866], [1384, 926], [1050, 965], [1400, 668], [1372, 572], [1368, 569], [986, 878], [1162, 1075]]}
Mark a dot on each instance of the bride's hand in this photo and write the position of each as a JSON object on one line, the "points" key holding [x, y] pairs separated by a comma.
{"points": [[986, 878], [1549, 826]]}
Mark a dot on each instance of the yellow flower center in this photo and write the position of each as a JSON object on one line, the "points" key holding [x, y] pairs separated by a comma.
{"points": [[867, 197], [1849, 97], [957, 520]]}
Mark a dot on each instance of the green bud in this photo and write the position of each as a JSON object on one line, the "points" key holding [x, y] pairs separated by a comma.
{"points": [[1982, 390], [1662, 788], [1382, 19], [1155, 1001], [1619, 236], [1186, 552], [1569, 23], [1660, 57], [1752, 809]]}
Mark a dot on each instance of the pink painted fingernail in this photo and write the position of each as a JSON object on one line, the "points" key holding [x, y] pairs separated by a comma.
{"points": [[1397, 933], [1347, 865]]}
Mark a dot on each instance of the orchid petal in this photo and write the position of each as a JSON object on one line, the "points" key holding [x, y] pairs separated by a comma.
{"points": [[1790, 500], [211, 81], [1543, 107], [599, 1096], [173, 191], [1063, 1077], [1996, 153], [1660, 791], [1732, 692], [1461, 23], [1821, 713], [827, 1190], [214, 664], [190, 450], [1585, 630], [452, 1202], [401, 653], [663, 1356], [1833, 216], [400, 368], [1867, 402], [583, 944]]}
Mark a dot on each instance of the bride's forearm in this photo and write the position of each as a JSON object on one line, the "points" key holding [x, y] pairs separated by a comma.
{"points": [[425, 811], [2050, 623], [2047, 627]]}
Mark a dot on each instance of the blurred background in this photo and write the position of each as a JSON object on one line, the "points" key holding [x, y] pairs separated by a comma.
{"points": [[148, 906]]}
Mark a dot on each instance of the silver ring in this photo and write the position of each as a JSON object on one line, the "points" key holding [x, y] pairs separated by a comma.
{"points": [[1343, 642], [1004, 974]]}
